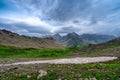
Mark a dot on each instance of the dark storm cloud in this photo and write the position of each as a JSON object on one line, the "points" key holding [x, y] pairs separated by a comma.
{"points": [[62, 16], [54, 9], [32, 29], [69, 9], [68, 29], [24, 29]]}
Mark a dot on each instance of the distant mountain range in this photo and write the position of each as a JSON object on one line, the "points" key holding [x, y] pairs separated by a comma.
{"points": [[73, 39], [12, 39]]}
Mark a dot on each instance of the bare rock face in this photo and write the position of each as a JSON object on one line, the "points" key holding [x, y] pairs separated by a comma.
{"points": [[42, 73]]}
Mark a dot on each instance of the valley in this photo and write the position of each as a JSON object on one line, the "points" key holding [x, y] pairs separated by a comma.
{"points": [[61, 63], [59, 39]]}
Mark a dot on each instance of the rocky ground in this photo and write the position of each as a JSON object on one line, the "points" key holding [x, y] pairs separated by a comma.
{"points": [[41, 67], [11, 64], [78, 60]]}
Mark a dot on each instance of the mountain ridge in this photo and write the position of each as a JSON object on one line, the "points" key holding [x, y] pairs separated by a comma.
{"points": [[110, 48], [74, 39], [71, 39], [9, 38]]}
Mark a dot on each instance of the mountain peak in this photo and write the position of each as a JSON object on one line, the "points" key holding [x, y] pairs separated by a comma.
{"points": [[5, 31], [57, 36], [73, 34]]}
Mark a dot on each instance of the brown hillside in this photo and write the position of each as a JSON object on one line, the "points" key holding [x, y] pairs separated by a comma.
{"points": [[12, 39], [111, 48]]}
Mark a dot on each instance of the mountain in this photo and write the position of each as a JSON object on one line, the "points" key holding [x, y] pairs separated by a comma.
{"points": [[73, 39], [110, 48], [12, 39], [57, 37], [97, 38]]}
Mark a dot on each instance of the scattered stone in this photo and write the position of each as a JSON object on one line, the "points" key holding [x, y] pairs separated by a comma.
{"points": [[28, 76], [59, 79], [88, 78], [94, 78], [13, 68], [2, 71], [42, 73]]}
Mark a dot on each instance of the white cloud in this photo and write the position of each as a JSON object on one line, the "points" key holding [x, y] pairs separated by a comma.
{"points": [[50, 16]]}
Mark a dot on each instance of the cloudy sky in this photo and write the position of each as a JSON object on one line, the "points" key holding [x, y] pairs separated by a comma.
{"points": [[42, 17]]}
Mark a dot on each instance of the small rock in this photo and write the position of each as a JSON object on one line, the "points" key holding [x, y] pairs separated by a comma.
{"points": [[28, 76], [86, 79], [42, 73], [94, 78], [2, 71], [13, 68], [59, 79]]}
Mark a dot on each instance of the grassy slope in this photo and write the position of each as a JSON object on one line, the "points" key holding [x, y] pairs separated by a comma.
{"points": [[14, 52], [111, 48], [99, 50], [107, 71]]}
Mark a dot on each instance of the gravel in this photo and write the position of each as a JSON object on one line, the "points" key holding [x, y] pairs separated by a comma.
{"points": [[77, 60]]}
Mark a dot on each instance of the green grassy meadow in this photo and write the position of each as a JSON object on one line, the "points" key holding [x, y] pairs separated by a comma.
{"points": [[15, 52]]}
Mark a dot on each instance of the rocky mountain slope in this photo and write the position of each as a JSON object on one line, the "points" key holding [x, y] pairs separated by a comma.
{"points": [[57, 37], [110, 48], [97, 38], [12, 39], [73, 39]]}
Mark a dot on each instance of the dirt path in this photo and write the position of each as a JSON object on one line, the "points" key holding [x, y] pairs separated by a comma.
{"points": [[78, 60]]}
